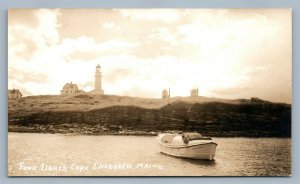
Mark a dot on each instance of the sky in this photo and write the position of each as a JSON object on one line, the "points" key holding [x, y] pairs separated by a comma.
{"points": [[225, 53]]}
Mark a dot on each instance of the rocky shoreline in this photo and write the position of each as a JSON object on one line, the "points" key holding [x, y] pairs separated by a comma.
{"points": [[78, 130], [115, 130]]}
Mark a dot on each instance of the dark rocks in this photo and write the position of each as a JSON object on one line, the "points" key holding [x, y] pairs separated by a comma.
{"points": [[255, 118]]}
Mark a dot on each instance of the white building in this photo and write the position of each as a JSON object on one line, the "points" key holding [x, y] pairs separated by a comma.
{"points": [[194, 92], [14, 94], [165, 94], [98, 84], [70, 89]]}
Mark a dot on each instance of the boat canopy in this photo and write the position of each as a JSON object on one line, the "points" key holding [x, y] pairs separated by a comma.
{"points": [[187, 137]]}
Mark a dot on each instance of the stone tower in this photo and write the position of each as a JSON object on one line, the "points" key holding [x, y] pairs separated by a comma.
{"points": [[194, 92], [165, 94], [98, 85]]}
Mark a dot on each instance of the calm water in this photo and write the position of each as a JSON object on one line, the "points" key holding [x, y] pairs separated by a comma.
{"points": [[56, 154]]}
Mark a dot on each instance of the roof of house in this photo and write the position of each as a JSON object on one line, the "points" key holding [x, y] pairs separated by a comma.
{"points": [[70, 86], [14, 91]]}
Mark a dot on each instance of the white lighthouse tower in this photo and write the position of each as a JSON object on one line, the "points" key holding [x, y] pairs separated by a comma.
{"points": [[98, 85]]}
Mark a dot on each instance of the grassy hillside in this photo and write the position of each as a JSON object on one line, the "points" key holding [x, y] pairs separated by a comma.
{"points": [[96, 114], [86, 102]]}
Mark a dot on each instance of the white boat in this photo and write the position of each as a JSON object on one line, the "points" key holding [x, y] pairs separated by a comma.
{"points": [[187, 145]]}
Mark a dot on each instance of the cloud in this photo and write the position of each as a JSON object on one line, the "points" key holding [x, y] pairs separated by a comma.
{"points": [[229, 53], [84, 55], [26, 17], [155, 37], [117, 73], [86, 48], [110, 25], [26, 46], [75, 23], [240, 90], [26, 41], [25, 76], [169, 16]]}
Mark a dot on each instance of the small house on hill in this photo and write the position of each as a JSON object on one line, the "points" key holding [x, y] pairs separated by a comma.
{"points": [[70, 89], [14, 94]]}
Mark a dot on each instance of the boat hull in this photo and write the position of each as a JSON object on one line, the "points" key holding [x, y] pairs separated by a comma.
{"points": [[198, 151]]}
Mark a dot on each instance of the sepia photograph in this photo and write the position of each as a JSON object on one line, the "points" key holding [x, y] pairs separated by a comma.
{"points": [[149, 92]]}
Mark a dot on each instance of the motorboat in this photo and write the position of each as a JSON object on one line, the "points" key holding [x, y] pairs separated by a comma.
{"points": [[187, 145]]}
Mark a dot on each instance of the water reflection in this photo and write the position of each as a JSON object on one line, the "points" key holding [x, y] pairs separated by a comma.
{"points": [[197, 162]]}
